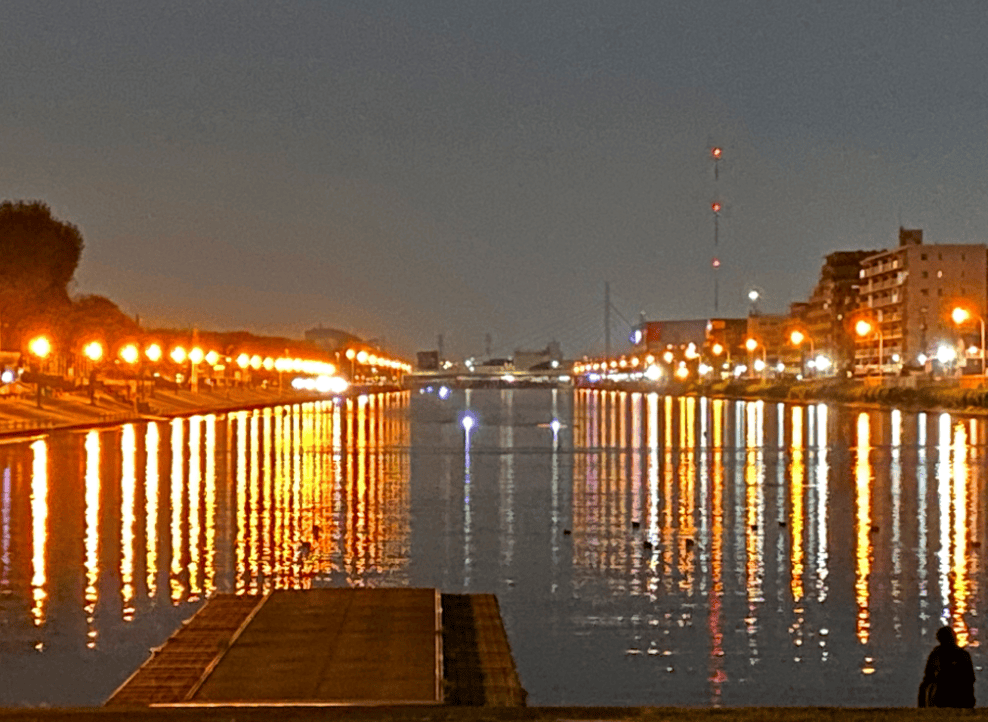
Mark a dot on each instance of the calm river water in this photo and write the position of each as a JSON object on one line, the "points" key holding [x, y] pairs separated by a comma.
{"points": [[645, 550]]}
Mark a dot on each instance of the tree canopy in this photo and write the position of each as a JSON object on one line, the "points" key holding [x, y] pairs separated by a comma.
{"points": [[38, 258]]}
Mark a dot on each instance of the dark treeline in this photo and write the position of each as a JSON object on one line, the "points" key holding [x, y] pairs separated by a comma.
{"points": [[39, 255]]}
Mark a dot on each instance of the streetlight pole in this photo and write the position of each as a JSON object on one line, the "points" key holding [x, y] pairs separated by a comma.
{"points": [[41, 348], [863, 328], [959, 316]]}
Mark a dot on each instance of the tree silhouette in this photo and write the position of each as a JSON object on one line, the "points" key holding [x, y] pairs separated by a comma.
{"points": [[40, 255]]}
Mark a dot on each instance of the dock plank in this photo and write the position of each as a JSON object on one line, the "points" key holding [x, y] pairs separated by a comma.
{"points": [[334, 646]]}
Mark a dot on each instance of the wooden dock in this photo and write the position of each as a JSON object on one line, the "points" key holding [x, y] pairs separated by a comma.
{"points": [[332, 647]]}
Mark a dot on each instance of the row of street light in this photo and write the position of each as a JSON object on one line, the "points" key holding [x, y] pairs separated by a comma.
{"points": [[864, 327]]}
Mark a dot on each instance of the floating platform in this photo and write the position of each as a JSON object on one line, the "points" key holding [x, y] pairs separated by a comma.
{"points": [[332, 647]]}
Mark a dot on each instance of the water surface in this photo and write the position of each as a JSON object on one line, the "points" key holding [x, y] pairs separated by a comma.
{"points": [[644, 549]]}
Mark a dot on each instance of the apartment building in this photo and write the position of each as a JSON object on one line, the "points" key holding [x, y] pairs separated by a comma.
{"points": [[832, 303], [907, 294]]}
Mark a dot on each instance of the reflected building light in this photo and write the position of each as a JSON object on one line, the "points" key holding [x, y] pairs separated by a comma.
{"points": [[39, 529], [652, 409], [717, 675], [780, 414], [210, 547], [5, 514], [241, 505], [863, 551], [796, 505], [895, 473], [922, 511], [177, 499], [256, 583], [151, 443], [754, 471], [959, 560], [195, 492], [128, 517], [702, 472], [267, 548], [360, 540], [285, 529], [554, 491], [467, 508], [637, 461], [92, 494], [704, 423], [781, 556], [339, 523], [822, 503], [506, 483], [687, 495], [943, 469], [668, 494]]}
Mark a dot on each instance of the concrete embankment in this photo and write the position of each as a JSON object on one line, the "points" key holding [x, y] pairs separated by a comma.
{"points": [[891, 392], [23, 416]]}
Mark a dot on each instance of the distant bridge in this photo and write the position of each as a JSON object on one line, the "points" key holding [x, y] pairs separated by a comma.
{"points": [[488, 378]]}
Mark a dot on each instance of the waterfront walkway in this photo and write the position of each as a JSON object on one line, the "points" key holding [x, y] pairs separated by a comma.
{"points": [[21, 416]]}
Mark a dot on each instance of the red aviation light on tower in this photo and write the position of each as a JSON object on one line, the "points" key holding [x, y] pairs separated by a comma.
{"points": [[716, 152], [715, 263], [715, 207]]}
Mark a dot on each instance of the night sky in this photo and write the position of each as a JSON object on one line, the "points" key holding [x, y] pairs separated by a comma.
{"points": [[406, 168]]}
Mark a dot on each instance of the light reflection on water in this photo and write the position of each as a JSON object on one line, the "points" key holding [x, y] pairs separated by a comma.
{"points": [[644, 549]]}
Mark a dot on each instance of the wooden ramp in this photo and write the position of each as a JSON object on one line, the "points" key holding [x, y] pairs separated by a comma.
{"points": [[331, 647]]}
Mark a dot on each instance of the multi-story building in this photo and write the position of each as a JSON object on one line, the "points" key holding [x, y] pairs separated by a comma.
{"points": [[908, 293], [831, 305]]}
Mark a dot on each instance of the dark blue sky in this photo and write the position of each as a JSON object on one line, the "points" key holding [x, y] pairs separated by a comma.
{"points": [[403, 169]]}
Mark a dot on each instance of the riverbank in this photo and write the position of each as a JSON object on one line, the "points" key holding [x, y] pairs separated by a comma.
{"points": [[23, 416], [908, 393]]}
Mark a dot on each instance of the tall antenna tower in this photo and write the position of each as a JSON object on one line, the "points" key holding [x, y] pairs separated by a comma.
{"points": [[716, 153]]}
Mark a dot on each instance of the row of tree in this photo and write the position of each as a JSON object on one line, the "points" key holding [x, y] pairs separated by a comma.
{"points": [[39, 255]]}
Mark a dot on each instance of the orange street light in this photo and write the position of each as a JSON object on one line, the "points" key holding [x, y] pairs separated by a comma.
{"points": [[797, 337], [129, 353], [153, 353], [178, 355], [93, 351], [960, 316], [863, 328], [40, 346]]}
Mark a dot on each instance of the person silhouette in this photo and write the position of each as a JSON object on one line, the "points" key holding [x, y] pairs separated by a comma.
{"points": [[948, 680]]}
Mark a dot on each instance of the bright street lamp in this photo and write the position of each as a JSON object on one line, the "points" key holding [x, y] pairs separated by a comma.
{"points": [[865, 327], [960, 316], [40, 347], [797, 337], [751, 344]]}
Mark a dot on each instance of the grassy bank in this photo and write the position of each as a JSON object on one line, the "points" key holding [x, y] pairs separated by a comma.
{"points": [[928, 396]]}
